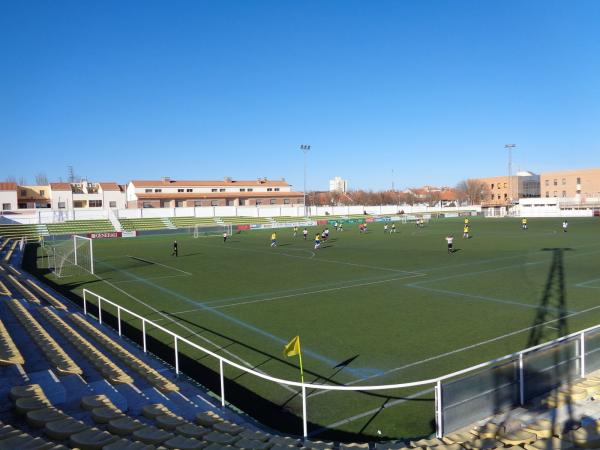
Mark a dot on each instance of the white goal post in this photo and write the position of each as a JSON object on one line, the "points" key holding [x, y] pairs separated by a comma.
{"points": [[83, 249], [200, 230]]}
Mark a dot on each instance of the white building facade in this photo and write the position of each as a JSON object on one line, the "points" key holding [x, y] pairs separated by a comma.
{"points": [[338, 184]]}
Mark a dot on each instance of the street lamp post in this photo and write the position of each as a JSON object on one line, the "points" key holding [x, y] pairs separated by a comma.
{"points": [[305, 149], [510, 147]]}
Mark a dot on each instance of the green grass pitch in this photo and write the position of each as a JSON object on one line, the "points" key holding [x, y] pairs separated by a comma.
{"points": [[370, 308]]}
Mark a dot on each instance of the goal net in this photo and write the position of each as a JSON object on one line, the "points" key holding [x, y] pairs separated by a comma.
{"points": [[211, 230], [72, 257]]}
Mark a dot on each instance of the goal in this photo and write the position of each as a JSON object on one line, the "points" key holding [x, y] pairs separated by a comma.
{"points": [[211, 230], [71, 258]]}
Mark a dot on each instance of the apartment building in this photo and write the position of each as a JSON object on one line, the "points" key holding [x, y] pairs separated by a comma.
{"points": [[169, 193], [504, 190], [578, 185]]}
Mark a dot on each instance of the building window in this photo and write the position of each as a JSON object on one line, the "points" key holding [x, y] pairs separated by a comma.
{"points": [[61, 205], [147, 190], [189, 190], [157, 190], [273, 201], [547, 182], [564, 193], [554, 193], [492, 185], [276, 189], [250, 189], [214, 203], [555, 182], [505, 196], [547, 194], [42, 192], [505, 186], [178, 203], [498, 196], [213, 190], [180, 190], [259, 202], [578, 180], [95, 203], [286, 201], [112, 204], [22, 205], [23, 193], [242, 189], [78, 204], [5, 206], [269, 189], [222, 190], [564, 181], [147, 205], [197, 203]]}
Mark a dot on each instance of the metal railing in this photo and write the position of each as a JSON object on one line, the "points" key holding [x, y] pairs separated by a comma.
{"points": [[437, 382]]}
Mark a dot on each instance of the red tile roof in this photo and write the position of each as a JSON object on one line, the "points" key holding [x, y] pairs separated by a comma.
{"points": [[60, 186], [211, 195], [8, 186], [109, 186], [191, 183]]}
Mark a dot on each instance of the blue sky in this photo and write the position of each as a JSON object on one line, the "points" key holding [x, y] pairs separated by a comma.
{"points": [[199, 90]]}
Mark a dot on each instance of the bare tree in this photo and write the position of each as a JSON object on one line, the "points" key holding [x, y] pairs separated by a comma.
{"points": [[473, 190], [10, 179], [23, 181], [41, 179]]}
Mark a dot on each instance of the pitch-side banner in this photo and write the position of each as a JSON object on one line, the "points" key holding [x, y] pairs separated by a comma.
{"points": [[108, 235]]}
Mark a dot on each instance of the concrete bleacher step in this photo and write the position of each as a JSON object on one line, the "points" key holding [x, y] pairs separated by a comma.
{"points": [[168, 223]]}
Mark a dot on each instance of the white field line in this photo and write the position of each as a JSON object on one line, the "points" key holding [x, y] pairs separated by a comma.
{"points": [[485, 261], [189, 330], [469, 347], [370, 412], [388, 269], [149, 278], [299, 294], [159, 264], [584, 284], [486, 298], [459, 350]]}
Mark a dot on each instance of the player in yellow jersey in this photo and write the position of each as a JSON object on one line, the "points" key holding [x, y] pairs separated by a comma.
{"points": [[466, 221], [273, 239], [317, 241], [466, 232], [524, 223]]}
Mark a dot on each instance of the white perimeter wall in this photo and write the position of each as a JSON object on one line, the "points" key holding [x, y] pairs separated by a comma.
{"points": [[56, 216]]}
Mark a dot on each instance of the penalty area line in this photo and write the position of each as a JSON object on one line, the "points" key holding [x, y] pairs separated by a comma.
{"points": [[459, 350], [159, 264], [300, 294]]}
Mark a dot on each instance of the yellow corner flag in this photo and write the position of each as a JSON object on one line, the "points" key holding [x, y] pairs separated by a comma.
{"points": [[293, 349]]}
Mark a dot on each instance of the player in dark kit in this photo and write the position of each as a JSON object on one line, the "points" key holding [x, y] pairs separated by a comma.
{"points": [[174, 249]]}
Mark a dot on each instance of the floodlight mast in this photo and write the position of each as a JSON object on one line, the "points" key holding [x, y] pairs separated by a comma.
{"points": [[305, 149], [510, 148]]}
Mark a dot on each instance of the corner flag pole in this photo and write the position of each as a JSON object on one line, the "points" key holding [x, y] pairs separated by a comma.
{"points": [[301, 368], [293, 349]]}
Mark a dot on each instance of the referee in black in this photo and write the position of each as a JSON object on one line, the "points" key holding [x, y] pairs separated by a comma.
{"points": [[174, 249]]}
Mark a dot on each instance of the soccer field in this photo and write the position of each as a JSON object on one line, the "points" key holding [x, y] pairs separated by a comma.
{"points": [[370, 308]]}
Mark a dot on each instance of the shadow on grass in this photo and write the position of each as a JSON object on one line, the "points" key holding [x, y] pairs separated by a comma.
{"points": [[281, 417]]}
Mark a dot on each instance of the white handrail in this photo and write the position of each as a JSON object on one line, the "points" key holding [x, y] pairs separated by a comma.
{"points": [[518, 356]]}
